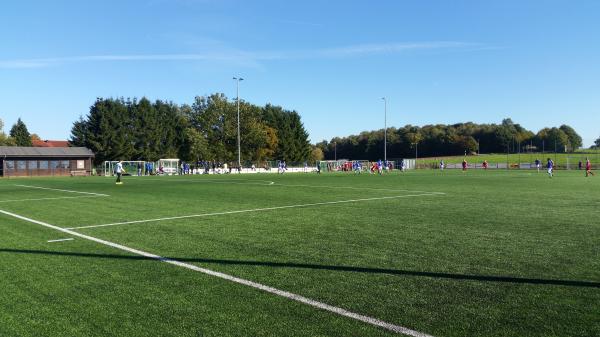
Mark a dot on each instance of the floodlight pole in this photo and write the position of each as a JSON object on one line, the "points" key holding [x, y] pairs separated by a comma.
{"points": [[335, 151], [384, 129], [238, 79]]}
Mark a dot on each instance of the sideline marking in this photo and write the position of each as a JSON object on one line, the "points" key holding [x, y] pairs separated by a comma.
{"points": [[253, 210], [54, 198], [68, 191], [336, 310], [61, 240]]}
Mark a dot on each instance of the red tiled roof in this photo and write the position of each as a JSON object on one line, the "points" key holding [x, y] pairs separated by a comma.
{"points": [[50, 143]]}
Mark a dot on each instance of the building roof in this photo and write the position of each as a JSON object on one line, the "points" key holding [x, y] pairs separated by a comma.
{"points": [[19, 151], [50, 143]]}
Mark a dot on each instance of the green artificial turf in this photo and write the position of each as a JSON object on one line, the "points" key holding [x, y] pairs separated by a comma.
{"points": [[491, 253]]}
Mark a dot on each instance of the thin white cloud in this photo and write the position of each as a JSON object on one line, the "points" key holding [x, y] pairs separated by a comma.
{"points": [[301, 23], [47, 62], [248, 58], [387, 48]]}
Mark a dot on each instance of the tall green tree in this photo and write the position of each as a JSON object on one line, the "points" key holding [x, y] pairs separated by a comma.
{"points": [[79, 133], [293, 144], [552, 139], [20, 133], [575, 141]]}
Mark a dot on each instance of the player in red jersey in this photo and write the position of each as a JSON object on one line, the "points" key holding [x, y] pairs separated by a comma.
{"points": [[588, 167]]}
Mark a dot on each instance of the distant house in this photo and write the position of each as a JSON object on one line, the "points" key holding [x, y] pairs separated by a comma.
{"points": [[16, 161], [50, 143]]}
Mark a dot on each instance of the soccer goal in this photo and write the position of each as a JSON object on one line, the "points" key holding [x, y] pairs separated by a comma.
{"points": [[330, 165], [131, 167], [167, 166], [407, 164], [363, 165]]}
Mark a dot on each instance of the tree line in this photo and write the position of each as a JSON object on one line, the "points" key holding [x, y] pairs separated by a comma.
{"points": [[447, 140], [207, 130], [132, 129]]}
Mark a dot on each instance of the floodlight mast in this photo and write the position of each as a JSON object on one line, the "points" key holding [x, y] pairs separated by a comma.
{"points": [[238, 79], [384, 129]]}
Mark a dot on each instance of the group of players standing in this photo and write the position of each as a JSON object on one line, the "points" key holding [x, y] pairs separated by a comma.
{"points": [[538, 164], [376, 167]]}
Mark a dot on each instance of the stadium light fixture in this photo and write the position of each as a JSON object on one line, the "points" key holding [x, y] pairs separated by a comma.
{"points": [[238, 79], [384, 129]]}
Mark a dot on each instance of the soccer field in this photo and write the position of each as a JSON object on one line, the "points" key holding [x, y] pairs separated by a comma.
{"points": [[422, 253]]}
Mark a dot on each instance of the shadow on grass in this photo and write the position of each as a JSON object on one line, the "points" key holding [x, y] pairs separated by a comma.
{"points": [[486, 278]]}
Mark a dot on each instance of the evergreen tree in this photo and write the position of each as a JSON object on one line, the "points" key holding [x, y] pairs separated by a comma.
{"points": [[293, 144], [20, 134], [79, 133]]}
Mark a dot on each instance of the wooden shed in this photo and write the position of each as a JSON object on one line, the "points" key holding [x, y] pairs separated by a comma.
{"points": [[16, 161]]}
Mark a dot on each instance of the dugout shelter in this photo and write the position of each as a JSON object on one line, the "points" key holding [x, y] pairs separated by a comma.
{"points": [[17, 161]]}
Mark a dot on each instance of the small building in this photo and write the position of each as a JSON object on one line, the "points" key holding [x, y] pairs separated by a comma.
{"points": [[16, 161]]}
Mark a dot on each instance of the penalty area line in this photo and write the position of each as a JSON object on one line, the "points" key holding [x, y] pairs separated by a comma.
{"points": [[54, 198], [67, 191], [282, 293], [255, 210]]}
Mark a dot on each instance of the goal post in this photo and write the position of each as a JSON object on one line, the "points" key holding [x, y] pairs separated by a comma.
{"points": [[131, 167], [168, 166], [407, 164], [343, 165]]}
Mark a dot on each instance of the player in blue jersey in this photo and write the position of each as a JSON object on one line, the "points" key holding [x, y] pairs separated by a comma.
{"points": [[357, 167], [550, 166]]}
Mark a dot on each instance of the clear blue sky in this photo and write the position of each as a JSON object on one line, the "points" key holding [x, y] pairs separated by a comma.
{"points": [[537, 62]]}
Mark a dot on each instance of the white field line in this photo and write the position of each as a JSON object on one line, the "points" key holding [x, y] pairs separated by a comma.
{"points": [[359, 188], [265, 288], [217, 181], [61, 240], [253, 210], [53, 198], [68, 191], [272, 183]]}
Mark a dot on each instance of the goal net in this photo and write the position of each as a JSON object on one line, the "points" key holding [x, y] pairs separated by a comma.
{"points": [[167, 166], [406, 164], [131, 167], [332, 165]]}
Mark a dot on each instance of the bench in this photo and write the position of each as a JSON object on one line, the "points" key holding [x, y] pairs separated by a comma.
{"points": [[79, 173]]}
